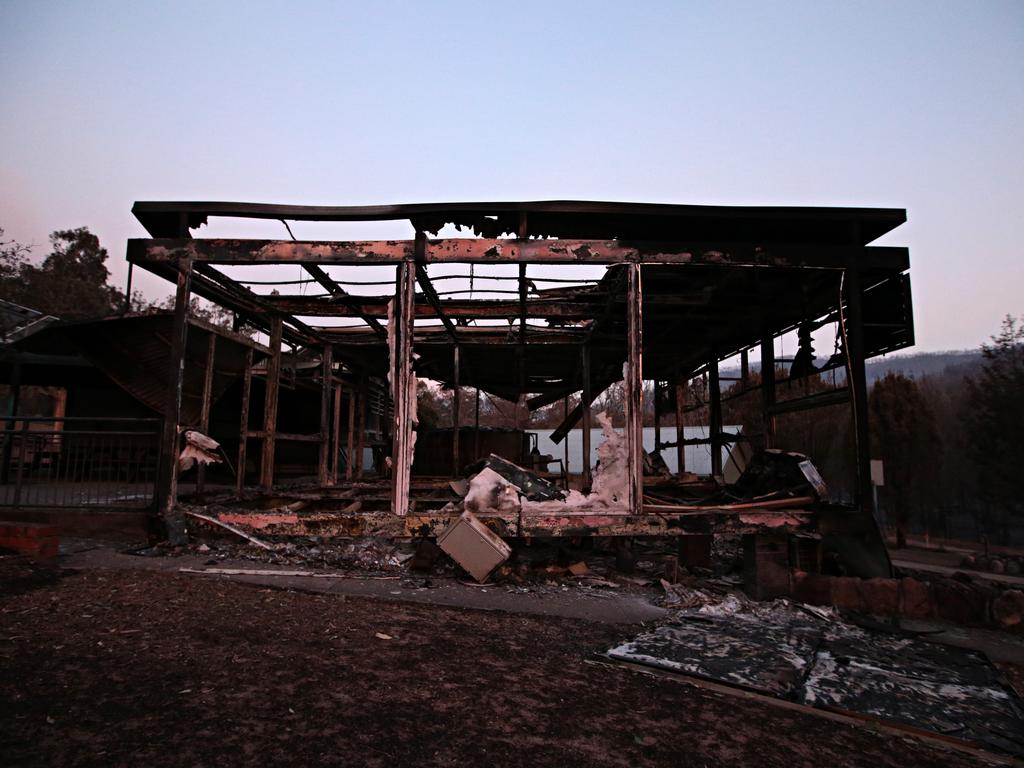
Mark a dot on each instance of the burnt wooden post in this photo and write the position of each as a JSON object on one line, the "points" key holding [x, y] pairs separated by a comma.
{"points": [[455, 412], [326, 386], [350, 446], [476, 428], [204, 413], [585, 398], [858, 385], [565, 445], [656, 393], [403, 382], [167, 473], [336, 434], [243, 422], [715, 416], [680, 427], [128, 291], [270, 405], [768, 387], [13, 402], [635, 391], [364, 404]]}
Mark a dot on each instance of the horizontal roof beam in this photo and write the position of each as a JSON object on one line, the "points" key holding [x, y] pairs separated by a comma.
{"points": [[377, 306], [501, 251]]}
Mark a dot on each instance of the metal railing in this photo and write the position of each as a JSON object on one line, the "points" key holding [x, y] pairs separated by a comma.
{"points": [[71, 462]]}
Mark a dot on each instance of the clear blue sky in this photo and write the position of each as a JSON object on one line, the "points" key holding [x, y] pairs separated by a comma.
{"points": [[917, 105]]}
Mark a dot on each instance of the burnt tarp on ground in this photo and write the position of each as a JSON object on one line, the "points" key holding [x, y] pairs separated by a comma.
{"points": [[769, 651], [949, 690], [813, 657]]}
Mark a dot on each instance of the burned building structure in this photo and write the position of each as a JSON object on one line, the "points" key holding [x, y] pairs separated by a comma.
{"points": [[680, 291]]}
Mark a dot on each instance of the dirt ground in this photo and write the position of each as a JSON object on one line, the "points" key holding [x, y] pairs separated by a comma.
{"points": [[128, 668]]}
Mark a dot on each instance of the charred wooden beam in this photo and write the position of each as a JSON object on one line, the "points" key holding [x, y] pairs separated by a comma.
{"points": [[204, 412], [853, 333], [167, 479], [273, 386], [715, 417], [326, 386], [336, 434], [317, 273], [635, 390], [257, 307], [586, 399], [521, 348], [403, 384], [243, 432], [434, 301], [350, 444], [456, 421], [817, 400], [497, 251], [681, 389], [768, 388], [431, 306]]}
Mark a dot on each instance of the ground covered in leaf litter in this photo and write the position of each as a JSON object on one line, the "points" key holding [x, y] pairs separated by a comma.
{"points": [[140, 668]]}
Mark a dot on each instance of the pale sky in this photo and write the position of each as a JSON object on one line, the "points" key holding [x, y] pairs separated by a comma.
{"points": [[916, 105]]}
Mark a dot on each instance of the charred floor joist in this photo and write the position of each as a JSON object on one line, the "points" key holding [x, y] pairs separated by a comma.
{"points": [[683, 288]]}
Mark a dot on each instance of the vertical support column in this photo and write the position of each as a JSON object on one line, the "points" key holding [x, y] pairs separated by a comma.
{"points": [[326, 388], [128, 290], [403, 381], [456, 404], [657, 421], [565, 443], [167, 473], [476, 428], [744, 367], [364, 406], [336, 434], [521, 349], [768, 387], [859, 386], [270, 405], [680, 427], [635, 391], [204, 413], [715, 416], [243, 422], [350, 445], [585, 398], [13, 403]]}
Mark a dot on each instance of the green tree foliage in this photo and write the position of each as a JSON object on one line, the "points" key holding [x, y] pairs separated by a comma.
{"points": [[904, 436], [994, 423], [71, 281]]}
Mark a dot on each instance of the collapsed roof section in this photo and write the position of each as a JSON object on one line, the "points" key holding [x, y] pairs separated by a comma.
{"points": [[749, 271]]}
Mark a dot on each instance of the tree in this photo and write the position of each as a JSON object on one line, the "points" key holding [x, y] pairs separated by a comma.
{"points": [[904, 437], [70, 283], [995, 423]]}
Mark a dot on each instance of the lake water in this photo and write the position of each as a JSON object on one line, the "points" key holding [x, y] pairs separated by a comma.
{"points": [[698, 457]]}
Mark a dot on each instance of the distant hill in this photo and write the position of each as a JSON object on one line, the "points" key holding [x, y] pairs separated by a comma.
{"points": [[961, 362], [958, 363]]}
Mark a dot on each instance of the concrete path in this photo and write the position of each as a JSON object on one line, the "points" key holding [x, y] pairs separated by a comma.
{"points": [[590, 604]]}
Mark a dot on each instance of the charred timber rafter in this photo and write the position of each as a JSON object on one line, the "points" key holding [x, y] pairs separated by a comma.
{"points": [[339, 293], [255, 305]]}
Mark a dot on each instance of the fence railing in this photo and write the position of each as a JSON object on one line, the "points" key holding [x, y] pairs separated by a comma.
{"points": [[78, 461]]}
